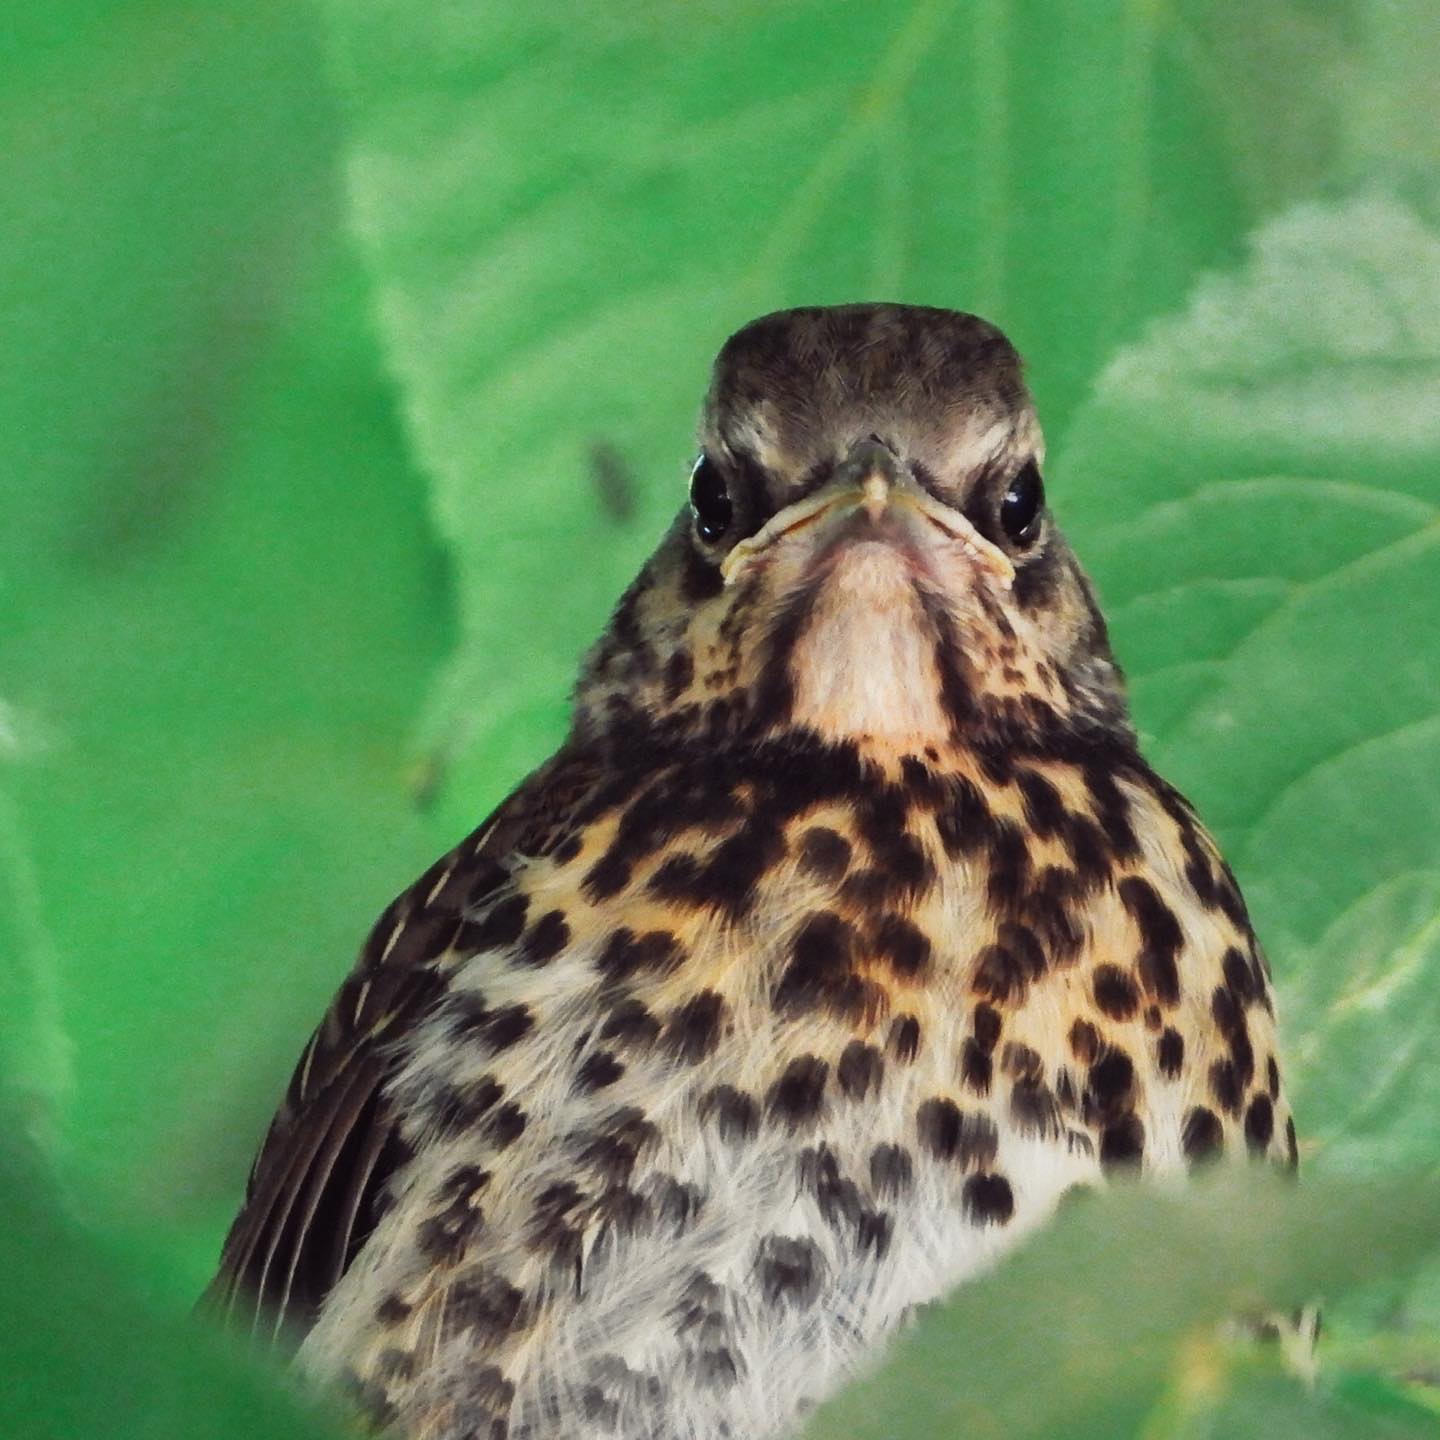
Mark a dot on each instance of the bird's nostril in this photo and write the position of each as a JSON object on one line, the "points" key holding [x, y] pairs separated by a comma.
{"points": [[881, 441]]}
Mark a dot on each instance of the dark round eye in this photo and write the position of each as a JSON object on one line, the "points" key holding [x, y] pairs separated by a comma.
{"points": [[710, 500], [1021, 506]]}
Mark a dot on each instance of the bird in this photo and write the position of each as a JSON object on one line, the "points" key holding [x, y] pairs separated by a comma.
{"points": [[846, 932]]}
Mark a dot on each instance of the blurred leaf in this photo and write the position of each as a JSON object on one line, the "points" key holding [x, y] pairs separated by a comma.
{"points": [[1076, 1333], [222, 605], [35, 1053], [83, 1355], [1245, 1403], [567, 213]]}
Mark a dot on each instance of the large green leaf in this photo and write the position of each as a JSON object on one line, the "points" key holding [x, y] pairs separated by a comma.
{"points": [[221, 606], [1081, 1332], [566, 212], [84, 1352]]}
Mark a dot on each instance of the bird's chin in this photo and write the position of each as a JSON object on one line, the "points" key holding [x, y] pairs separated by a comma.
{"points": [[870, 567], [864, 664]]}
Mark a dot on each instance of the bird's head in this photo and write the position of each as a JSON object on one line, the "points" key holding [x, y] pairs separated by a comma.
{"points": [[866, 554]]}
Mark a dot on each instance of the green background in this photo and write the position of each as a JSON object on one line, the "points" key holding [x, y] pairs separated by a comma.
{"points": [[349, 368]]}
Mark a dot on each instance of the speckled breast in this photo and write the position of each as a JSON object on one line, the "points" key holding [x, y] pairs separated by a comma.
{"points": [[765, 1050]]}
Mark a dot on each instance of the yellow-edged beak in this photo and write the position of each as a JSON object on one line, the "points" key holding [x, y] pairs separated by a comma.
{"points": [[871, 480]]}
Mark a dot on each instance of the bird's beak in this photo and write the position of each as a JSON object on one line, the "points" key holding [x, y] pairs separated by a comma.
{"points": [[872, 481]]}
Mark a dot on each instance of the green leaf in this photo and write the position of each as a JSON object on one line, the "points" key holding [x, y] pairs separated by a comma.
{"points": [[1077, 1333], [222, 607], [84, 1354], [567, 213]]}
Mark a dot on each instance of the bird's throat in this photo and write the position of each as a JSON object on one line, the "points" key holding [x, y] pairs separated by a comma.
{"points": [[864, 665]]}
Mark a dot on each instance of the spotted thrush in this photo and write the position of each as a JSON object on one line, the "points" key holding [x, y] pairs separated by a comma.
{"points": [[847, 931]]}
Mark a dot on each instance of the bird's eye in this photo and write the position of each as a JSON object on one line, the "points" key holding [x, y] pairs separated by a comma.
{"points": [[1021, 506], [710, 500]]}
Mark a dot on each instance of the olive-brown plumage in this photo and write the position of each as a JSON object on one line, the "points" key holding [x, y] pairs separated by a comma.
{"points": [[845, 933]]}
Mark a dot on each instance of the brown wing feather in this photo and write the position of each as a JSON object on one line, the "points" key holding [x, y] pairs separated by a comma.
{"points": [[317, 1186]]}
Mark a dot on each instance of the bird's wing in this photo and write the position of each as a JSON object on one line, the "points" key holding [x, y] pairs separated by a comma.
{"points": [[316, 1188]]}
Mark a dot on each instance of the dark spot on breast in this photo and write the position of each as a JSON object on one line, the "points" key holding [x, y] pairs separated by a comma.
{"points": [[607, 877], [1292, 1149], [1109, 1084], [1115, 992], [1051, 913], [891, 1171], [1034, 1109], [1088, 849], [1009, 865], [546, 938], [1122, 1143], [502, 924], [626, 953], [798, 1095], [1202, 1137], [443, 1238], [1023, 1062], [631, 1026], [598, 1070], [566, 848], [824, 853], [693, 1031], [975, 1068], [1045, 812], [1160, 939], [821, 973], [922, 784], [1004, 970], [1084, 1041], [860, 1070], [502, 1028], [505, 1125], [1111, 809], [392, 1310], [1240, 977], [726, 879], [1259, 1124], [674, 1203], [900, 871], [612, 1147], [1225, 1086], [486, 1306], [623, 1212], [873, 1229], [965, 823], [555, 1225], [1023, 944], [988, 1199], [1272, 1078], [949, 1134], [903, 946], [987, 1027], [735, 1114], [904, 1040], [1170, 1053], [455, 1109], [790, 1270]]}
